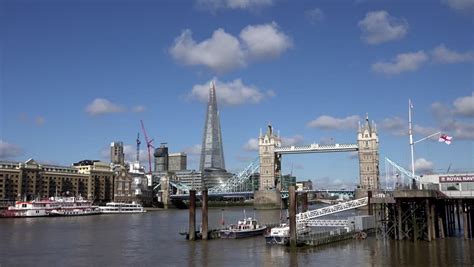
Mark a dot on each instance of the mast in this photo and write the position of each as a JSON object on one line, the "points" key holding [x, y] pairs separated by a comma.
{"points": [[410, 133]]}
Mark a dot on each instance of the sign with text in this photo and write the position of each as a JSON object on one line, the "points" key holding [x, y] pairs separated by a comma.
{"points": [[456, 179]]}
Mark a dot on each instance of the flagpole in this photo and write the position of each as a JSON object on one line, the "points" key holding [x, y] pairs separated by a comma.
{"points": [[410, 133]]}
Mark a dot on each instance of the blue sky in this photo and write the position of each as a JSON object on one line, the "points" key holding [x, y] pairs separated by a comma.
{"points": [[77, 75]]}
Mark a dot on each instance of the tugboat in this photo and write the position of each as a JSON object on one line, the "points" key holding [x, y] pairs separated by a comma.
{"points": [[247, 227]]}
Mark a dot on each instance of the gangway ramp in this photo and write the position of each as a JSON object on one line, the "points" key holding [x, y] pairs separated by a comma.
{"points": [[327, 223], [304, 217]]}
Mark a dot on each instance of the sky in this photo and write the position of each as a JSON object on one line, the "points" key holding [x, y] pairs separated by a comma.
{"points": [[77, 75]]}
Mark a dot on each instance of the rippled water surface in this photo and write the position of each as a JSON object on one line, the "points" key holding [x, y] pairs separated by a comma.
{"points": [[152, 239]]}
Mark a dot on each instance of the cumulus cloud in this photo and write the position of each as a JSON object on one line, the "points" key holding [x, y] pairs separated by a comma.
{"points": [[442, 54], [463, 6], [101, 106], [401, 63], [138, 109], [396, 126], [453, 120], [214, 5], [423, 165], [314, 16], [221, 52], [379, 27], [264, 41], [464, 106], [224, 52], [326, 122], [230, 93], [251, 145], [292, 140], [8, 150]]}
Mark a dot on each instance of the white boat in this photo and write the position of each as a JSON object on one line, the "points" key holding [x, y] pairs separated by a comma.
{"points": [[281, 235], [118, 207], [247, 227], [54, 206]]}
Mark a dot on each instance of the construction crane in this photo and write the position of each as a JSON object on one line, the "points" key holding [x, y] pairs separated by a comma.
{"points": [[148, 145], [138, 147]]}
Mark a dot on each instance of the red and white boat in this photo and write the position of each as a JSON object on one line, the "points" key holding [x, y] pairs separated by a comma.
{"points": [[68, 206]]}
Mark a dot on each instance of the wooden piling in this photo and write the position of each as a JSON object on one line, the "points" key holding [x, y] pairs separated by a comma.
{"points": [[292, 211], [305, 202], [192, 215], [369, 195], [465, 225], [432, 222], [458, 211], [205, 221], [428, 218], [399, 214]]}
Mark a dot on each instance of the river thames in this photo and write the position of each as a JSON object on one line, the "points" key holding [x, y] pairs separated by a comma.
{"points": [[153, 239]]}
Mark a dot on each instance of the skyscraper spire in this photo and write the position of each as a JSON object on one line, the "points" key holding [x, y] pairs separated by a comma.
{"points": [[212, 152]]}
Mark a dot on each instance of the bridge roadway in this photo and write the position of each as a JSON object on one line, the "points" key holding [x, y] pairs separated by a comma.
{"points": [[316, 148], [249, 194]]}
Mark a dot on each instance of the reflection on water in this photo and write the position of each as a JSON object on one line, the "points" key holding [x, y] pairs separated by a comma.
{"points": [[152, 239]]}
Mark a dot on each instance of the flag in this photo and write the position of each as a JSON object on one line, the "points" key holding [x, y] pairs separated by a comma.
{"points": [[445, 138]]}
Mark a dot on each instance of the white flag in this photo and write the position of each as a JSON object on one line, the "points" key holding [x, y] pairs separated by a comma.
{"points": [[445, 138]]}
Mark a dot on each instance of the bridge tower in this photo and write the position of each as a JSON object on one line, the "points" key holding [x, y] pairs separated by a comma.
{"points": [[268, 195], [368, 142], [270, 162]]}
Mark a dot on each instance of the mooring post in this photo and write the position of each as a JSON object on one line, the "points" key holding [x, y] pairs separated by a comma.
{"points": [[433, 224], [458, 211], [292, 211], [369, 195], [192, 215], [464, 222], [399, 214], [305, 201], [428, 218], [205, 222]]}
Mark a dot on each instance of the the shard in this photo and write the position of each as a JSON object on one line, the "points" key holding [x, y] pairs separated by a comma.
{"points": [[212, 152]]}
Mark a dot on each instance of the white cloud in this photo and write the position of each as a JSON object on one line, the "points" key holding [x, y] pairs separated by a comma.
{"points": [[326, 122], [138, 109], [453, 121], [102, 106], [251, 145], [423, 165], [214, 5], [401, 63], [464, 106], [264, 41], [463, 6], [292, 140], [224, 52], [130, 152], [221, 52], [396, 126], [8, 150], [230, 93], [442, 54], [314, 15], [378, 27]]}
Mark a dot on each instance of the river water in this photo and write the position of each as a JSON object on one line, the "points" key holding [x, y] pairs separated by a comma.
{"points": [[152, 239]]}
